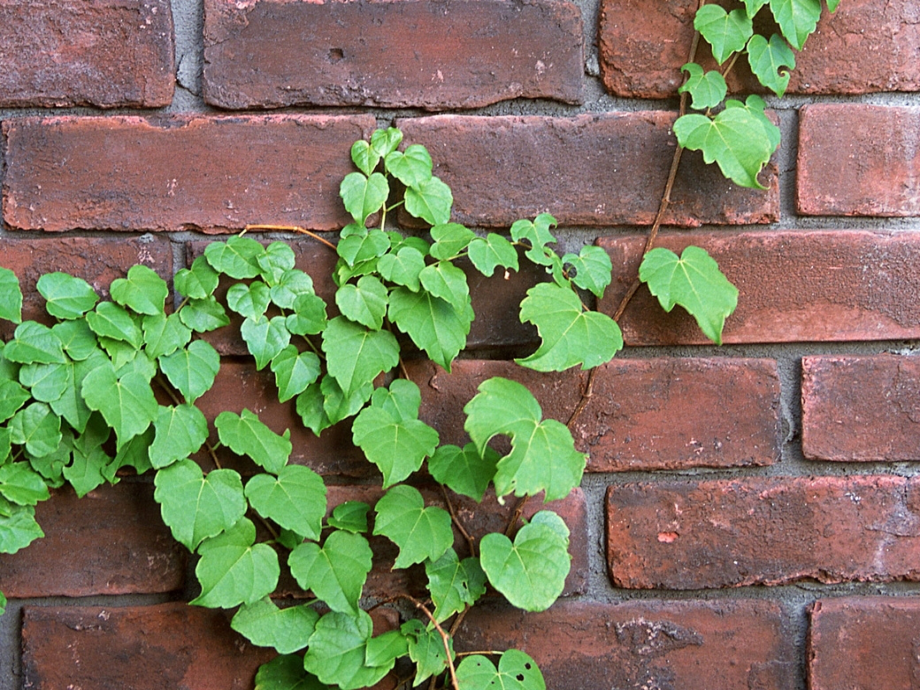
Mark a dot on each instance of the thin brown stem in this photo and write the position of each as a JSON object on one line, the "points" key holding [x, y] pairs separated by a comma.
{"points": [[731, 63], [445, 638], [516, 515], [487, 652], [292, 228], [585, 398], [453, 516], [458, 621]]}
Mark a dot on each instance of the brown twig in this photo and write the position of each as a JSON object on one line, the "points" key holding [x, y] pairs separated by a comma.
{"points": [[453, 516], [458, 621], [291, 228], [445, 638], [516, 515]]}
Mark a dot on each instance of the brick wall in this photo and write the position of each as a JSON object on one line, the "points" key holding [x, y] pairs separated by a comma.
{"points": [[751, 514]]}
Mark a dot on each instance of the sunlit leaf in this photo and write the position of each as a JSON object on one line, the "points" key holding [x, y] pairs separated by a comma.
{"points": [[295, 499], [797, 19], [355, 354], [264, 624], [238, 257], [771, 62], [67, 297], [246, 435], [707, 89], [420, 533], [726, 32], [143, 290], [430, 200], [335, 572]]}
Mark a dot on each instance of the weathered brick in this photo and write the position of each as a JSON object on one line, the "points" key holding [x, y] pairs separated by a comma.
{"points": [[107, 53], [864, 642], [704, 534], [98, 261], [795, 287], [391, 54], [866, 46], [692, 645], [861, 408], [871, 171], [112, 541], [178, 173], [598, 169]]}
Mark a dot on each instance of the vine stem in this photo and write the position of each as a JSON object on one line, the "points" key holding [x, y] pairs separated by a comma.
{"points": [[453, 516], [445, 638], [516, 515], [291, 228]]}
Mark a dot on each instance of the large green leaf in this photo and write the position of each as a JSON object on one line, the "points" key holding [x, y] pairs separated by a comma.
{"points": [[402, 267], [192, 370], [364, 303], [531, 571], [338, 648], [287, 630], [420, 533], [197, 282], [18, 528], [771, 62], [238, 257], [693, 281], [355, 354], [293, 284], [203, 315], [492, 251], [10, 296], [295, 499], [127, 403], [454, 584], [37, 428], [335, 572], [707, 89], [77, 338], [249, 301], [797, 19], [20, 485], [286, 673], [163, 335], [109, 320], [180, 431], [309, 317], [364, 195], [265, 338], [449, 240], [430, 200], [411, 167], [433, 324], [142, 291], [246, 435], [294, 371], [47, 382], [34, 343], [71, 404], [465, 471], [726, 32], [543, 455], [516, 671], [448, 282], [66, 297], [276, 262]]}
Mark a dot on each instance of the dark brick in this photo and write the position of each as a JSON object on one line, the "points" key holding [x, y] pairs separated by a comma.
{"points": [[864, 642], [107, 54], [178, 173], [861, 408], [393, 55], [692, 645], [705, 534], [599, 169], [873, 171], [866, 46], [795, 287]]}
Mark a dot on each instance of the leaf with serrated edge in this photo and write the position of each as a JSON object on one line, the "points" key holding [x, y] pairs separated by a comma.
{"points": [[337, 650], [454, 584], [11, 304], [335, 572], [430, 200], [143, 291], [449, 240], [20, 485], [287, 630], [192, 370], [286, 673], [249, 301], [112, 321], [246, 435], [33, 343], [127, 403], [203, 315], [464, 471], [295, 499], [426, 650], [364, 303], [492, 251], [238, 257], [707, 89], [797, 19], [433, 324], [402, 267], [265, 338], [294, 371], [726, 32], [355, 355], [411, 167], [771, 62], [420, 533], [364, 195], [516, 671], [18, 529], [197, 282], [180, 431], [350, 516], [67, 297], [164, 335]]}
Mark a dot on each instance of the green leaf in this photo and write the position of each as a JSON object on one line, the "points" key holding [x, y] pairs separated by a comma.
{"points": [[112, 321], [5, 444], [142, 291], [34, 343], [426, 650], [536, 234], [419, 532], [492, 251], [66, 297], [71, 404], [164, 335], [296, 499], [432, 323], [180, 431], [769, 62], [466, 471], [119, 352], [397, 242], [246, 435], [454, 584], [753, 6], [89, 460], [430, 200], [336, 572], [386, 648], [127, 403], [294, 371], [530, 572], [135, 453], [707, 89], [364, 246], [234, 569], [403, 267], [276, 262], [797, 19], [265, 338], [37, 428], [18, 528], [365, 157], [448, 282], [449, 240], [570, 335], [310, 405], [192, 370], [47, 382], [832, 5], [309, 317], [355, 355], [20, 485], [196, 507], [337, 651], [11, 301], [293, 284], [385, 141], [203, 315], [364, 303], [286, 673], [516, 671], [543, 455], [350, 516], [265, 625], [364, 195], [51, 467], [412, 167], [693, 281], [726, 32], [238, 257], [249, 301], [198, 282], [12, 397], [593, 270], [337, 405], [78, 340]]}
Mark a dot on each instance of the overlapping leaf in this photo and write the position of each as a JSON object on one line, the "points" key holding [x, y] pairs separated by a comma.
{"points": [[18, 528], [180, 432], [264, 624], [335, 572], [337, 651], [454, 584], [67, 297], [465, 471], [11, 302], [420, 532], [192, 370], [295, 499], [364, 195], [143, 290], [430, 200], [265, 338], [294, 371], [365, 302], [286, 673], [355, 354], [246, 435], [127, 403], [199, 281], [34, 343], [726, 32], [238, 257], [433, 324]]}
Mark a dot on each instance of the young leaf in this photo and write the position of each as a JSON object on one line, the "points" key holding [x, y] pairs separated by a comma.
{"points": [[454, 584], [403, 267], [287, 630], [294, 371], [466, 471], [449, 240], [47, 382], [309, 317], [238, 257], [246, 435], [433, 324], [430, 200], [20, 485], [448, 282], [203, 315], [33, 342], [337, 651], [127, 403], [693, 281], [726, 32], [292, 285], [142, 291], [769, 61], [18, 528], [420, 533], [350, 516], [492, 251], [365, 157], [364, 195], [363, 246], [192, 370], [286, 673], [295, 499], [516, 671], [163, 335], [531, 571], [78, 340], [355, 355], [12, 397], [180, 431], [426, 650], [385, 141], [197, 282], [276, 262], [265, 338], [412, 167], [535, 233], [336, 572], [112, 321], [797, 19], [66, 297], [364, 303], [249, 301], [707, 90], [11, 303], [37, 428]]}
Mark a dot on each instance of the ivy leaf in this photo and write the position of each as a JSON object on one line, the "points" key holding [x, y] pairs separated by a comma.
{"points": [[71, 405], [336, 572], [448, 282], [364, 195], [127, 403], [832, 5], [295, 499], [570, 335], [51, 467], [265, 338], [769, 62], [385, 141], [430, 200], [593, 270], [18, 528], [246, 435], [37, 428], [364, 246], [707, 89], [11, 304], [386, 648], [466, 471], [337, 405], [203, 315], [412, 167], [797, 19], [454, 584], [530, 572], [78, 340], [112, 321], [449, 240], [249, 301], [293, 284], [142, 291], [364, 156], [426, 650], [350, 516], [238, 257], [66, 297], [196, 507], [516, 671], [135, 453], [364, 303], [276, 262], [403, 267], [198, 282], [234, 569], [419, 532], [163, 335], [693, 281], [46, 381], [397, 242], [180, 431], [192, 370], [355, 355], [492, 251], [726, 32], [432, 323], [294, 371], [310, 406], [265, 625], [286, 673], [309, 317], [34, 343], [535, 233], [337, 651], [753, 6], [20, 485], [12, 397], [543, 455]]}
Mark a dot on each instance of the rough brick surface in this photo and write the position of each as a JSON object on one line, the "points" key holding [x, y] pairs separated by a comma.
{"points": [[112, 541], [864, 642], [866, 46], [179, 172], [408, 53], [600, 169], [106, 53], [871, 171], [861, 408], [98, 261], [703, 534], [692, 645], [795, 287]]}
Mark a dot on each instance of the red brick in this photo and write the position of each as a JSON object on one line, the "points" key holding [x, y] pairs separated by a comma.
{"points": [[98, 261], [795, 287], [872, 171], [692, 645], [180, 172], [704, 534], [391, 54], [861, 408], [598, 169], [108, 53], [866, 46], [112, 541], [864, 642]]}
